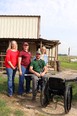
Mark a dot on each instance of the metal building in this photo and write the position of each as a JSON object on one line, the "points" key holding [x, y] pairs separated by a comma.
{"points": [[19, 26], [24, 28]]}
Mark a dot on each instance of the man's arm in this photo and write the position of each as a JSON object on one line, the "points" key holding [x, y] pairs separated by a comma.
{"points": [[34, 72], [44, 72]]}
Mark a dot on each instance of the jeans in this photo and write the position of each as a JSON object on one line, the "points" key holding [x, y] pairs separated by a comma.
{"points": [[21, 81], [28, 80], [35, 80], [11, 86]]}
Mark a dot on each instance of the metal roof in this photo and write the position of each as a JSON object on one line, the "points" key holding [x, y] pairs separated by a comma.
{"points": [[20, 16], [47, 43]]}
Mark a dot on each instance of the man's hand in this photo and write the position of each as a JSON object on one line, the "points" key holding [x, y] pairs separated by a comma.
{"points": [[42, 74], [34, 72], [37, 74]]}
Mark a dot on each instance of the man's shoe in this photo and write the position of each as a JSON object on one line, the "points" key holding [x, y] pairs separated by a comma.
{"points": [[27, 92], [34, 98], [39, 91], [23, 94]]}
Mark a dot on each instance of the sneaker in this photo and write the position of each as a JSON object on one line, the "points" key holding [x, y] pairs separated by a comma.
{"points": [[30, 91], [10, 96]]}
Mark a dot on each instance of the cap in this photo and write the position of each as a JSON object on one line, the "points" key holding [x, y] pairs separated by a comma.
{"points": [[25, 43], [38, 52]]}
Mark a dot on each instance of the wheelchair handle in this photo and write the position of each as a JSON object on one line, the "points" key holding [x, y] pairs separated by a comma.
{"points": [[71, 80]]}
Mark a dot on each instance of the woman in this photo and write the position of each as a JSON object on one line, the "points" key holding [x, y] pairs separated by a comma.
{"points": [[23, 65], [11, 63], [44, 55]]}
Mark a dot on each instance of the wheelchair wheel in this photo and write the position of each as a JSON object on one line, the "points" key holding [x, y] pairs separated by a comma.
{"points": [[43, 98], [67, 99]]}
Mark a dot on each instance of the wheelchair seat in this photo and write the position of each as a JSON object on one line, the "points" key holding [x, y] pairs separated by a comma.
{"points": [[56, 86]]}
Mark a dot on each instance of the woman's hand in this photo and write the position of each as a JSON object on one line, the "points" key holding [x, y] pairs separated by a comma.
{"points": [[20, 72], [14, 68]]}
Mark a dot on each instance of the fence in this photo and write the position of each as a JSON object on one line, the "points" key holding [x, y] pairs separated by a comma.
{"points": [[2, 58]]}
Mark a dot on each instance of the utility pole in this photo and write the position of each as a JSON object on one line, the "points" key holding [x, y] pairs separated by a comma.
{"points": [[69, 51], [69, 54]]}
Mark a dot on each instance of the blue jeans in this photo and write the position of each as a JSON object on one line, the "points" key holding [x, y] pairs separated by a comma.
{"points": [[21, 81], [11, 74]]}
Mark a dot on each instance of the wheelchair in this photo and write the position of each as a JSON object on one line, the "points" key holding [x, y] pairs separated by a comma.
{"points": [[56, 86]]}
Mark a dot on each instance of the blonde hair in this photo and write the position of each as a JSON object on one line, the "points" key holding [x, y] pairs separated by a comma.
{"points": [[10, 45], [43, 48]]}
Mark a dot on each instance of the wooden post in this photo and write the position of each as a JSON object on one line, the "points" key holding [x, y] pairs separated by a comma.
{"points": [[40, 44]]}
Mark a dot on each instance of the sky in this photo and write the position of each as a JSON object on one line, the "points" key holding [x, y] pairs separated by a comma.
{"points": [[58, 19]]}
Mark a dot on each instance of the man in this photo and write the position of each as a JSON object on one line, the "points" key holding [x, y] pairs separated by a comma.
{"points": [[23, 65], [38, 69]]}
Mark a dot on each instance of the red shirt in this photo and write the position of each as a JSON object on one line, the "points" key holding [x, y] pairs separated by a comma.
{"points": [[26, 58], [11, 56]]}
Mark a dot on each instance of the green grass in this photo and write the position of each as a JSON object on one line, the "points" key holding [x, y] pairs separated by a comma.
{"points": [[66, 64], [18, 113], [3, 84], [74, 86], [4, 110]]}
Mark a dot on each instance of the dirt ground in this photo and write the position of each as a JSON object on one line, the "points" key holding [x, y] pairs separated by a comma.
{"points": [[31, 108]]}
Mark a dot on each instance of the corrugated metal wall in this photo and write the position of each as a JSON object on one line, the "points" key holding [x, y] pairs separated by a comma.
{"points": [[19, 26]]}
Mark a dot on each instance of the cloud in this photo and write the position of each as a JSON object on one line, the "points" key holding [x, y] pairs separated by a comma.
{"points": [[58, 17], [58, 11]]}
